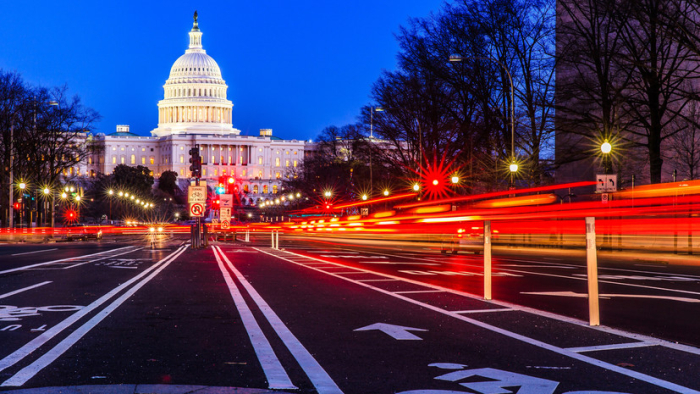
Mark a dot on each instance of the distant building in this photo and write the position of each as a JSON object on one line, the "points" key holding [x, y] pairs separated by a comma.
{"points": [[195, 110]]}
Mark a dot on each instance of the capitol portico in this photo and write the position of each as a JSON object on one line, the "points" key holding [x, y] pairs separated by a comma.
{"points": [[195, 110]]}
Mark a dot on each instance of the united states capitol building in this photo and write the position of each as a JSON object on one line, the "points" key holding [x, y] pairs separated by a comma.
{"points": [[195, 110]]}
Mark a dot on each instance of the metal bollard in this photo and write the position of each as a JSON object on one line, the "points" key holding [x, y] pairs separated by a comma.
{"points": [[592, 270], [487, 259]]}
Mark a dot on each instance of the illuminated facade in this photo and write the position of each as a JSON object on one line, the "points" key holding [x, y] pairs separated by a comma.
{"points": [[195, 110]]}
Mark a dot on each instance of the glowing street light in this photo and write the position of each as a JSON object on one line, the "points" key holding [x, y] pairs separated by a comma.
{"points": [[416, 187], [513, 167], [455, 179], [606, 148], [386, 192], [364, 197]]}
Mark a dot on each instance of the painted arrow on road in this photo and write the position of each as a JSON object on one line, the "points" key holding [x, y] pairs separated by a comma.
{"points": [[400, 333], [581, 295]]}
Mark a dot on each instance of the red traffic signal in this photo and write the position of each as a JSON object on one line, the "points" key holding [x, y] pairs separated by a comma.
{"points": [[231, 180], [15, 205]]}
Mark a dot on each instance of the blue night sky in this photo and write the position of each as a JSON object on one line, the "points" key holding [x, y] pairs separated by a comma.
{"points": [[293, 66]]}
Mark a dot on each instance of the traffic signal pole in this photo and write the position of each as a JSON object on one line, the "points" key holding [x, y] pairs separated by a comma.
{"points": [[196, 169]]}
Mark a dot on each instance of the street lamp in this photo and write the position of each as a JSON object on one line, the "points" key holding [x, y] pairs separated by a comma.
{"points": [[386, 192], [606, 148], [458, 58], [46, 198], [371, 139], [12, 157], [22, 186], [111, 193]]}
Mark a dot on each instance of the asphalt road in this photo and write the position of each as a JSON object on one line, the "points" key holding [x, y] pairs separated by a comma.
{"points": [[329, 317]]}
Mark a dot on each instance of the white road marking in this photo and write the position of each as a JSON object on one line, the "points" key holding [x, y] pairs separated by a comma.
{"points": [[583, 295], [24, 289], [395, 263], [611, 347], [538, 266], [36, 251], [418, 291], [400, 333], [277, 377], [27, 267], [37, 342], [485, 310], [26, 373], [662, 278], [122, 267], [522, 338], [378, 280], [318, 376]]}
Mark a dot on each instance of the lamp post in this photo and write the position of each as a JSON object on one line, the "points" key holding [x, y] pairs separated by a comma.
{"points": [[606, 148], [111, 194], [22, 186], [46, 199], [513, 166], [371, 139]]}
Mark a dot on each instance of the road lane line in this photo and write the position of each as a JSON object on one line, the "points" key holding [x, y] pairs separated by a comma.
{"points": [[24, 289], [610, 347], [418, 291], [49, 334], [485, 310], [26, 373], [562, 351], [27, 267], [323, 383], [277, 377], [378, 280], [36, 251]]}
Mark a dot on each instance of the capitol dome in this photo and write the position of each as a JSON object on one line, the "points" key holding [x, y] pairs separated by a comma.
{"points": [[195, 94], [195, 64]]}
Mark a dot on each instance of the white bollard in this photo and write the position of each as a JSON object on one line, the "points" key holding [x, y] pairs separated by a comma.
{"points": [[272, 234], [487, 259], [592, 270]]}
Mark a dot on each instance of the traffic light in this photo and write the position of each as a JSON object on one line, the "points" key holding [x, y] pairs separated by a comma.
{"points": [[196, 161], [16, 206]]}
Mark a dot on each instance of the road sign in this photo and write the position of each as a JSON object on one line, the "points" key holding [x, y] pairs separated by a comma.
{"points": [[606, 183], [197, 209], [197, 194], [224, 224], [225, 214], [226, 200]]}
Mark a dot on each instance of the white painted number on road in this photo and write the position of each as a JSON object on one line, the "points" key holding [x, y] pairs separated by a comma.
{"points": [[495, 381], [13, 313]]}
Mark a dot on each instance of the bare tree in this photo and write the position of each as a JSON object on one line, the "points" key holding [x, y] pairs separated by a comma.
{"points": [[685, 145]]}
